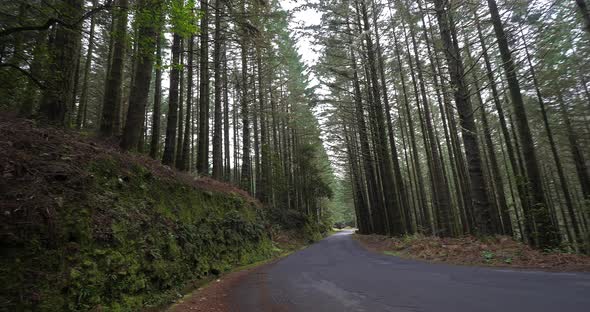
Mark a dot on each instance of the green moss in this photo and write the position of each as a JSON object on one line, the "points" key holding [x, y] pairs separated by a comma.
{"points": [[131, 241]]}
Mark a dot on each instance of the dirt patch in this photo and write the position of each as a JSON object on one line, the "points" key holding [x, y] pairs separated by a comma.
{"points": [[499, 251], [213, 297], [40, 164], [217, 295]]}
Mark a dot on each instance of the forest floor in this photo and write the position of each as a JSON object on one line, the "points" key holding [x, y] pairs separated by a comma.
{"points": [[499, 251], [63, 153]]}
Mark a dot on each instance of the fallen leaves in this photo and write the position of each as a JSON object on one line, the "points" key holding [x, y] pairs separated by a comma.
{"points": [[492, 251]]}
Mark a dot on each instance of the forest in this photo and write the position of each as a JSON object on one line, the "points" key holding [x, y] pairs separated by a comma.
{"points": [[461, 117], [438, 118], [474, 115], [215, 88]]}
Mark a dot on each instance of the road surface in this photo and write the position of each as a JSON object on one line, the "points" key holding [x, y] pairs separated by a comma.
{"points": [[337, 274]]}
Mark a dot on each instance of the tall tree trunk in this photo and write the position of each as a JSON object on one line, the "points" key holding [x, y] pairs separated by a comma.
{"points": [[172, 120], [72, 103], [111, 106], [463, 185], [560, 173], [83, 107], [542, 233], [157, 113], [142, 77], [431, 221], [400, 188], [420, 192], [578, 156], [585, 14], [63, 50], [441, 190], [217, 68], [246, 174], [186, 146], [464, 107], [522, 192], [498, 185], [226, 150], [31, 98], [361, 207], [386, 172], [180, 131], [375, 205], [454, 163], [203, 142], [264, 146]]}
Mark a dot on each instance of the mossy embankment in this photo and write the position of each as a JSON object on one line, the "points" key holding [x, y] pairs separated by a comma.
{"points": [[85, 227]]}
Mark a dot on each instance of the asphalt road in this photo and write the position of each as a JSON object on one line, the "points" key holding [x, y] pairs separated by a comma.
{"points": [[337, 274]]}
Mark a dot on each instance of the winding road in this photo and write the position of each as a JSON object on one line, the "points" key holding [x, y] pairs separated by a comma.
{"points": [[337, 274]]}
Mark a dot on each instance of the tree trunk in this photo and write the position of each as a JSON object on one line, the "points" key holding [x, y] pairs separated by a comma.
{"points": [[157, 113], [111, 106], [441, 191], [142, 78], [172, 122], [560, 174], [386, 172], [82, 107], [420, 191], [218, 115], [542, 233], [63, 52], [186, 146], [578, 156], [464, 107], [180, 131], [203, 143], [264, 146], [226, 150], [585, 14], [505, 225], [400, 188], [246, 175]]}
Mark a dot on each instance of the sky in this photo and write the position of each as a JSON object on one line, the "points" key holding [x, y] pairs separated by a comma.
{"points": [[300, 19]]}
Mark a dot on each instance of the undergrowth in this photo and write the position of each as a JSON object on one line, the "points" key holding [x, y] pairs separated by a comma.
{"points": [[87, 228]]}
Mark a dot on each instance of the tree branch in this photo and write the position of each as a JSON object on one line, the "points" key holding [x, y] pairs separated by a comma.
{"points": [[52, 21], [24, 72]]}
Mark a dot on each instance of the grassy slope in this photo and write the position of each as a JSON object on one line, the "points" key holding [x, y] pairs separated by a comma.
{"points": [[86, 227]]}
